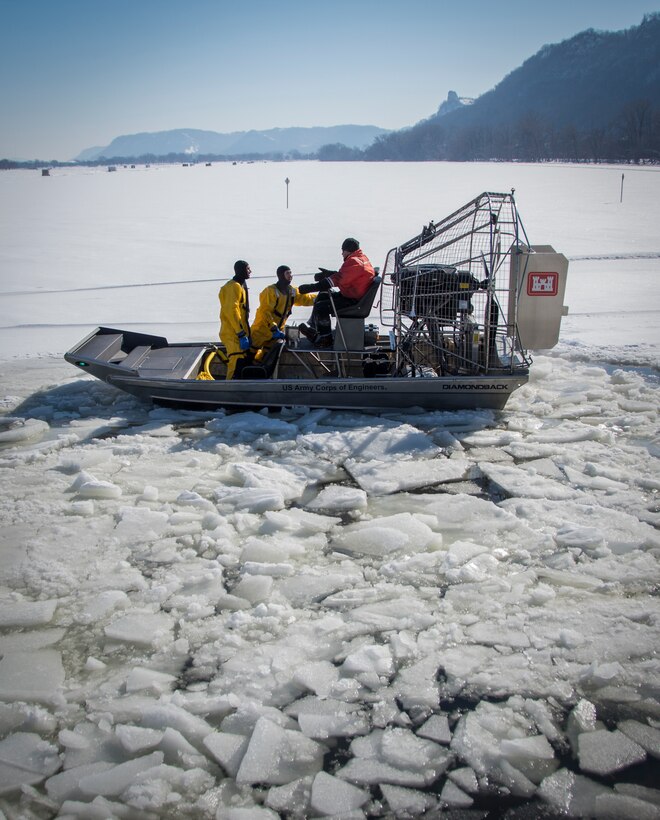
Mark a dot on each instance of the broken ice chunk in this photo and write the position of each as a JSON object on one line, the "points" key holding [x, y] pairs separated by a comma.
{"points": [[34, 639], [322, 718], [322, 727], [99, 489], [603, 752], [26, 613], [137, 739], [378, 477], [581, 719], [141, 628], [262, 476], [465, 778], [25, 759], [165, 713], [571, 793], [277, 756], [451, 795], [98, 809], [527, 747], [602, 674], [254, 500], [254, 588], [248, 813], [624, 807], [100, 604], [380, 536], [293, 798], [331, 796], [20, 430], [407, 802], [369, 772], [646, 736], [374, 658], [460, 552], [179, 753], [85, 509], [516, 482], [113, 781], [228, 749], [141, 679], [65, 785], [418, 760], [336, 499], [318, 676], [498, 634], [139, 524], [436, 728], [640, 792], [32, 676]]}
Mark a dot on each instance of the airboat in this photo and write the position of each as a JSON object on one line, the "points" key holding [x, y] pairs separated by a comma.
{"points": [[459, 307]]}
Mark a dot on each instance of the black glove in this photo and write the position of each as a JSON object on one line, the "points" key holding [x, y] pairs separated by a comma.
{"points": [[313, 287], [325, 284], [324, 274]]}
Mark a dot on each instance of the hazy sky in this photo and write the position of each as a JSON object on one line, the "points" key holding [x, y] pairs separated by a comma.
{"points": [[77, 73]]}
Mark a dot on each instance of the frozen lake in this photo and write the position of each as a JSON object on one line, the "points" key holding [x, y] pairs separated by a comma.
{"points": [[149, 247], [247, 617]]}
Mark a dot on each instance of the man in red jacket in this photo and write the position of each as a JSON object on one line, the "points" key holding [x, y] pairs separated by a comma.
{"points": [[352, 279]]}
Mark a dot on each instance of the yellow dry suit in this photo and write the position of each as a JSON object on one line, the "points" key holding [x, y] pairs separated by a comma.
{"points": [[234, 322], [272, 314]]}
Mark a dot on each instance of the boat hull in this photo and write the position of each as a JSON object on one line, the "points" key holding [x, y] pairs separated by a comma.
{"points": [[337, 394], [157, 378]]}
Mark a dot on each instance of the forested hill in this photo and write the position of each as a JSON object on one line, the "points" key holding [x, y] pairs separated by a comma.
{"points": [[594, 96]]}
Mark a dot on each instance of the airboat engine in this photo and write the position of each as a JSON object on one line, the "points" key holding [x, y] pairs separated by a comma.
{"points": [[469, 295]]}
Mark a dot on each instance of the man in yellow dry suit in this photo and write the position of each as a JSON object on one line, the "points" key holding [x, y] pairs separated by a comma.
{"points": [[235, 317], [275, 305]]}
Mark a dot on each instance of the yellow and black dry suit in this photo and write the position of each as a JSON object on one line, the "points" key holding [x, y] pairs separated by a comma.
{"points": [[272, 314], [234, 320]]}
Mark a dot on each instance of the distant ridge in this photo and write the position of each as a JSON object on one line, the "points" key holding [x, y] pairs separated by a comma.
{"points": [[593, 96], [195, 142]]}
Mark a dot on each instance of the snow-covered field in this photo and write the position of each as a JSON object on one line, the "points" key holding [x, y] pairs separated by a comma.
{"points": [[249, 616]]}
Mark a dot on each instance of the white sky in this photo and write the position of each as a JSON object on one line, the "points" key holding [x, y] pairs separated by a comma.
{"points": [[78, 73]]}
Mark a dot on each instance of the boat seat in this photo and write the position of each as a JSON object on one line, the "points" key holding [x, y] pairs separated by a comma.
{"points": [[362, 308], [349, 333], [265, 368], [172, 362], [103, 346], [133, 360]]}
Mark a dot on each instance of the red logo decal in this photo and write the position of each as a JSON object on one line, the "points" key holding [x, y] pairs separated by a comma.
{"points": [[542, 284]]}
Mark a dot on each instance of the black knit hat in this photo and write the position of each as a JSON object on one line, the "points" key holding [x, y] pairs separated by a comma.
{"points": [[240, 266], [349, 244]]}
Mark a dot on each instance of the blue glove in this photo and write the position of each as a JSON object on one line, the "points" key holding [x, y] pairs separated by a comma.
{"points": [[243, 340], [278, 334]]}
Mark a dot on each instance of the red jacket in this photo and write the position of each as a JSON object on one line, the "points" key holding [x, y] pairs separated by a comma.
{"points": [[354, 276]]}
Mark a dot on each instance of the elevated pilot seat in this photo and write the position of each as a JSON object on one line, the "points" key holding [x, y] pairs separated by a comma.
{"points": [[349, 333]]}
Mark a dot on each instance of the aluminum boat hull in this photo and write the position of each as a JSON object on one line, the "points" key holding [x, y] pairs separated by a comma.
{"points": [[350, 393]]}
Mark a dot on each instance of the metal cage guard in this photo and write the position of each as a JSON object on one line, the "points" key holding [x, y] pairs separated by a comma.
{"points": [[446, 293]]}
